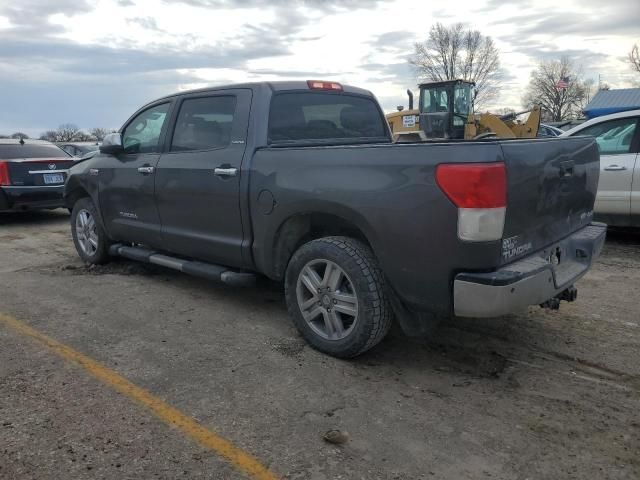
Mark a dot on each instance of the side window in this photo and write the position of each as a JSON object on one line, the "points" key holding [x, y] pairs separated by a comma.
{"points": [[142, 135], [614, 136], [204, 123]]}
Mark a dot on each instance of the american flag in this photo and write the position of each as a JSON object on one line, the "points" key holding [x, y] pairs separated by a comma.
{"points": [[562, 83]]}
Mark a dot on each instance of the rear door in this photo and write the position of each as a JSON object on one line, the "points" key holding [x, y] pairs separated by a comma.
{"points": [[198, 178], [127, 180], [617, 162]]}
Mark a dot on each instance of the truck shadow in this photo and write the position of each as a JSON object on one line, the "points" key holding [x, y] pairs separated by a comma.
{"points": [[624, 237], [467, 348], [35, 217]]}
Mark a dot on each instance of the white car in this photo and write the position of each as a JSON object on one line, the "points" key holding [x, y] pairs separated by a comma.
{"points": [[618, 137]]}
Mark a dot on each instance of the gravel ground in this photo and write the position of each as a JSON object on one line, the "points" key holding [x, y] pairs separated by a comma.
{"points": [[540, 395]]}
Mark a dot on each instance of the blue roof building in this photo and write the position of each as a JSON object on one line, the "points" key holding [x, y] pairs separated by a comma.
{"points": [[613, 101]]}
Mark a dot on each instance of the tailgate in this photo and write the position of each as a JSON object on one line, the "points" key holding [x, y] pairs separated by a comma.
{"points": [[551, 189], [34, 172]]}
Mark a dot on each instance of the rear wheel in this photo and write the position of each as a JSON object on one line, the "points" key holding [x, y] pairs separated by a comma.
{"points": [[336, 296], [89, 238]]}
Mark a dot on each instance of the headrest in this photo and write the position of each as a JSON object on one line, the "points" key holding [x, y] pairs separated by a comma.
{"points": [[354, 118]]}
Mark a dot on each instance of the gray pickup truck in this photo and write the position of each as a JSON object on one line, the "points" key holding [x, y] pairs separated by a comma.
{"points": [[301, 182]]}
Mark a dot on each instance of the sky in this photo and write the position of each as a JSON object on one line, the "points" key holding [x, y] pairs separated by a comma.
{"points": [[93, 63]]}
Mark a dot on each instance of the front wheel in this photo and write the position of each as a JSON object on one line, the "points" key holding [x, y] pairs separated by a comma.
{"points": [[90, 239], [336, 296]]}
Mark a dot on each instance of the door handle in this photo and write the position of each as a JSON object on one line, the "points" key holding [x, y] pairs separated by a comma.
{"points": [[145, 170], [226, 172], [615, 168]]}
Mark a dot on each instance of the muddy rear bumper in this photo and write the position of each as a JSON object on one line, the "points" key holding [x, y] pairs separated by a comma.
{"points": [[530, 281]]}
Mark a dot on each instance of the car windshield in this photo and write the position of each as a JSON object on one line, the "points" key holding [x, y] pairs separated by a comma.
{"points": [[88, 148], [11, 151]]}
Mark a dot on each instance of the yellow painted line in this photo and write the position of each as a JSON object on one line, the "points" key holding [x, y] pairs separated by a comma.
{"points": [[168, 414]]}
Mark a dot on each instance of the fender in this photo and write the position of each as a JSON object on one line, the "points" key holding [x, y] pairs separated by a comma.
{"points": [[80, 179], [268, 228]]}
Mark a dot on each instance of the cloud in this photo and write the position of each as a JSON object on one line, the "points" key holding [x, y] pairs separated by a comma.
{"points": [[93, 63], [148, 23], [98, 101], [31, 17], [45, 71], [394, 42], [326, 5], [611, 21]]}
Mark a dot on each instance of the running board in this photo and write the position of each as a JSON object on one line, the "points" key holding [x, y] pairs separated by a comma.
{"points": [[209, 271]]}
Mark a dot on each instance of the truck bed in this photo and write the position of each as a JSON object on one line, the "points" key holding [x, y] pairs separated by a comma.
{"points": [[389, 191]]}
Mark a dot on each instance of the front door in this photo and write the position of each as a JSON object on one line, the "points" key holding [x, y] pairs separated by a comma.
{"points": [[617, 161], [127, 180], [198, 178]]}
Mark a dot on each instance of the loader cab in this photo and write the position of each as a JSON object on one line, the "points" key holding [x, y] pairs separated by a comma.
{"points": [[445, 107]]}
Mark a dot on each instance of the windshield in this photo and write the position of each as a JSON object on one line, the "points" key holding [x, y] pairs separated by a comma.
{"points": [[11, 151], [435, 100]]}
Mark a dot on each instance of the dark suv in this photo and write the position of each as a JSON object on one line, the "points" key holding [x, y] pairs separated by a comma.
{"points": [[32, 174]]}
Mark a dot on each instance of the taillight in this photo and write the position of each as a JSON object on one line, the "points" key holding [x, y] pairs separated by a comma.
{"points": [[5, 179], [320, 85], [479, 190]]}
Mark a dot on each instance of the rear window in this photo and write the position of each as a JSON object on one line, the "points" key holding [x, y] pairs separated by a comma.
{"points": [[323, 117], [8, 152]]}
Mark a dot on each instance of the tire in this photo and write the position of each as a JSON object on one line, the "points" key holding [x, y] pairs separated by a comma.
{"points": [[85, 224], [354, 315]]}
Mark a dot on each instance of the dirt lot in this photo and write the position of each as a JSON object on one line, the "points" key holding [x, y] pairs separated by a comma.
{"points": [[542, 395]]}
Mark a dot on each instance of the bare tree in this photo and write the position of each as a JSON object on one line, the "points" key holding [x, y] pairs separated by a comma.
{"points": [[544, 89], [634, 58], [83, 137], [67, 132], [456, 51], [504, 111], [50, 136], [99, 133], [19, 135]]}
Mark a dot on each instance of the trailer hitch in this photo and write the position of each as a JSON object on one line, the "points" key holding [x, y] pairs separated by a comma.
{"points": [[568, 295]]}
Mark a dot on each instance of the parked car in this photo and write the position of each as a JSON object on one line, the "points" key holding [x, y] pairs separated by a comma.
{"points": [[565, 125], [548, 131], [79, 149], [618, 137], [32, 174], [301, 182]]}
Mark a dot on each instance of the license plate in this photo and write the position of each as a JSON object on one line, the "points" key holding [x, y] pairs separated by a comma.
{"points": [[50, 178], [409, 121]]}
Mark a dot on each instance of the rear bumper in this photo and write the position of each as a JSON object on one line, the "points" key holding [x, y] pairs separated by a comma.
{"points": [[31, 198], [530, 281]]}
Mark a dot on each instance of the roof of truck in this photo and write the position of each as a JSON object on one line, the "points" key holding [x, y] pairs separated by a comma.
{"points": [[275, 86]]}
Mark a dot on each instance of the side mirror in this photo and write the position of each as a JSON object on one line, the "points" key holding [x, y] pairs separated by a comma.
{"points": [[112, 144]]}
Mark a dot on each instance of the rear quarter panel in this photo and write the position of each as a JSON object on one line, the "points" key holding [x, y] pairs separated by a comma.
{"points": [[389, 192]]}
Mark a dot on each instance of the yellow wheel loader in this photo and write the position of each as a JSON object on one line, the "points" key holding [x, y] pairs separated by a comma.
{"points": [[446, 112]]}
